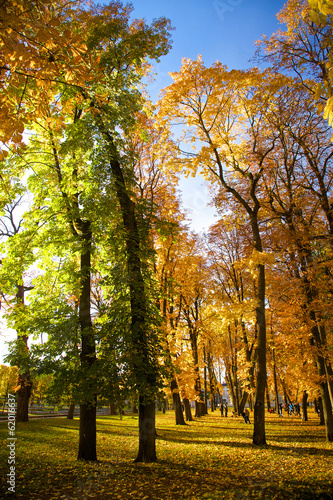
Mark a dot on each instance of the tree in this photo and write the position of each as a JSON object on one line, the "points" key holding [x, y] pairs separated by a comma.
{"points": [[233, 284], [305, 48], [111, 52], [10, 229], [38, 50], [8, 381], [224, 111]]}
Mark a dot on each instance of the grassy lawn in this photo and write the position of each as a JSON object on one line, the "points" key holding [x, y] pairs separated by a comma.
{"points": [[211, 458]]}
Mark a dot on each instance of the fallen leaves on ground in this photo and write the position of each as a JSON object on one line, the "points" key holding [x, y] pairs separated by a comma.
{"points": [[212, 458]]}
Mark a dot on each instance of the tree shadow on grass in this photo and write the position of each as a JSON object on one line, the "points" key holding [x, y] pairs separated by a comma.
{"points": [[301, 451]]}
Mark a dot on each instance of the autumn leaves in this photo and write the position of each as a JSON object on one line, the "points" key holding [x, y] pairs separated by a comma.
{"points": [[258, 140], [142, 300]]}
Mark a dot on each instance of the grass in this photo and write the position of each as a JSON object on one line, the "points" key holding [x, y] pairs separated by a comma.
{"points": [[212, 458]]}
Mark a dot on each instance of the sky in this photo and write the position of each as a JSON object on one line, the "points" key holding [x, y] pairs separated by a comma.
{"points": [[223, 30]]}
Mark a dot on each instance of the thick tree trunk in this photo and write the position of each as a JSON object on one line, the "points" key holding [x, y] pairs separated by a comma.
{"points": [[24, 381], [318, 339], [275, 384], [87, 439], [268, 400], [326, 404], [199, 409], [305, 406], [188, 412], [259, 436], [147, 433], [321, 411], [81, 229], [23, 396], [70, 413], [322, 372], [177, 405], [112, 409], [243, 402], [143, 364]]}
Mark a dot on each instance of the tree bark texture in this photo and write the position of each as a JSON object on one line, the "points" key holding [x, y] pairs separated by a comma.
{"points": [[70, 413], [268, 400], [177, 405], [147, 433], [142, 366], [24, 381], [321, 411], [305, 406], [87, 436], [259, 436], [188, 412]]}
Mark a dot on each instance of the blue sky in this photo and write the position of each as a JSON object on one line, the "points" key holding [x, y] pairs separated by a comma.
{"points": [[223, 30]]}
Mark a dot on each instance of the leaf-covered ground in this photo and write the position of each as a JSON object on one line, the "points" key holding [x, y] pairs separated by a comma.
{"points": [[211, 458]]}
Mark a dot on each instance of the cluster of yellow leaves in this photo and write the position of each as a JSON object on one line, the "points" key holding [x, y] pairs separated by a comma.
{"points": [[37, 52]]}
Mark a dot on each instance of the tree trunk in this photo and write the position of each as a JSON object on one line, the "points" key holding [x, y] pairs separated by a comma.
{"points": [[327, 410], [268, 401], [205, 382], [24, 380], [275, 384], [87, 439], [243, 402], [231, 388], [147, 433], [197, 387], [143, 363], [23, 395], [318, 339], [70, 413], [177, 405], [112, 409], [259, 436], [212, 379], [188, 412], [321, 411], [322, 372], [305, 406]]}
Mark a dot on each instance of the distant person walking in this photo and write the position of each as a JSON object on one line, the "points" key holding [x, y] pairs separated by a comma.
{"points": [[226, 410], [246, 416]]}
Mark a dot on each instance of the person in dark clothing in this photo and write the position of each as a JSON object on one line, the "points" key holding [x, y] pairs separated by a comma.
{"points": [[246, 416]]}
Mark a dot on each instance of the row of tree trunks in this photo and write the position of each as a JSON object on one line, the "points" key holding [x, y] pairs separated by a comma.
{"points": [[318, 340]]}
